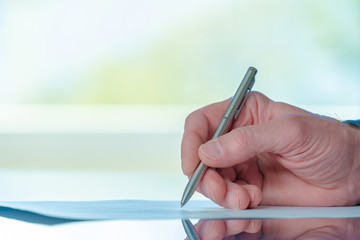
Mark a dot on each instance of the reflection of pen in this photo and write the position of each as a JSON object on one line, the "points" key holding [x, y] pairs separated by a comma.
{"points": [[230, 114], [189, 229]]}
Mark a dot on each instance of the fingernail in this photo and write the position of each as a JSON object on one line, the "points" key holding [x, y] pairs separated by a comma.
{"points": [[251, 226], [252, 195], [212, 149]]}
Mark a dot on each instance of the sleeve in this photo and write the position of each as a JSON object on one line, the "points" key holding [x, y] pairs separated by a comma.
{"points": [[353, 123]]}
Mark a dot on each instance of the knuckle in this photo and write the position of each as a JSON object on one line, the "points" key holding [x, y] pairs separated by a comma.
{"points": [[256, 95], [296, 125], [256, 98], [296, 129], [189, 119]]}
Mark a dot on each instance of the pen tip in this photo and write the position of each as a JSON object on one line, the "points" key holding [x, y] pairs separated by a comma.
{"points": [[182, 204]]}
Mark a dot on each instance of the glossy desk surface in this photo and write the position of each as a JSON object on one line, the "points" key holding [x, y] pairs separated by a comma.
{"points": [[39, 185], [173, 229]]}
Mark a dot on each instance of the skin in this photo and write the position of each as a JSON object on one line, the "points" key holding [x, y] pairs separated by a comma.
{"points": [[326, 228], [274, 154]]}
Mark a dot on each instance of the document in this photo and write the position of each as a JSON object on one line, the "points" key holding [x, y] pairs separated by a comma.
{"points": [[161, 210]]}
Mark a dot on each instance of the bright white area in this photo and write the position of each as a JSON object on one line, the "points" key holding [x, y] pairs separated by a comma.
{"points": [[111, 230], [51, 45], [80, 185], [119, 119], [93, 118]]}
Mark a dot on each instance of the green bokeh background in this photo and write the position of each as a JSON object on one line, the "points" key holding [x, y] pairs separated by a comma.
{"points": [[171, 52]]}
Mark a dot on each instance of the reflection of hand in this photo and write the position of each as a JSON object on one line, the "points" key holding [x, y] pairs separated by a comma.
{"points": [[275, 154], [218, 229], [325, 228]]}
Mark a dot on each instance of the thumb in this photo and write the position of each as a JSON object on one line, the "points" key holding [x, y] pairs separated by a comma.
{"points": [[243, 143]]}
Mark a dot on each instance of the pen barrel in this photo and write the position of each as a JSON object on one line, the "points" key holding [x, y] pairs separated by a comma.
{"points": [[237, 102], [193, 182], [223, 127]]}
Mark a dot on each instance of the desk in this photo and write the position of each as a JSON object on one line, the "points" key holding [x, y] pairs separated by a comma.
{"points": [[36, 185]]}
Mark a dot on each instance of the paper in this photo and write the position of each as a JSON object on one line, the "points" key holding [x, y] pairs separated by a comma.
{"points": [[156, 210]]}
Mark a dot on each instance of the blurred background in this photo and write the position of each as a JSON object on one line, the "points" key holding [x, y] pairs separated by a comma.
{"points": [[171, 52], [106, 85]]}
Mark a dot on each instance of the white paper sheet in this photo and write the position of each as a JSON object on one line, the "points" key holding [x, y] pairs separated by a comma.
{"points": [[151, 210]]}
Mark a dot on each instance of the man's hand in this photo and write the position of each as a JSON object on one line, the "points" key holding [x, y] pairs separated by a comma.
{"points": [[274, 154]]}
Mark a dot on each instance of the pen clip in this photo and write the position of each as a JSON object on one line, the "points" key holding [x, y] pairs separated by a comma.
{"points": [[251, 84], [241, 104]]}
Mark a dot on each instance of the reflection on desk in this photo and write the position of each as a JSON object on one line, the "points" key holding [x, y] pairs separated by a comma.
{"points": [[251, 229]]}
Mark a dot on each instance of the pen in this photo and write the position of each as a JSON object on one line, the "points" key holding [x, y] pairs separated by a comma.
{"points": [[190, 229], [231, 113]]}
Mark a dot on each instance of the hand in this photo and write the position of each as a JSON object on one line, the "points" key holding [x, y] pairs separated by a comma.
{"points": [[274, 154], [256, 229]]}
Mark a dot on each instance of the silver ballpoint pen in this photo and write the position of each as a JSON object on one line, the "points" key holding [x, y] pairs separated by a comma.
{"points": [[231, 113]]}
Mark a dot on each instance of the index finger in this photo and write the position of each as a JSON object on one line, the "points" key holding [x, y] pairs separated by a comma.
{"points": [[200, 125]]}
